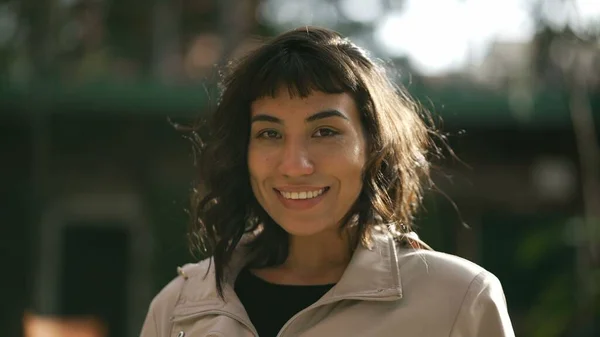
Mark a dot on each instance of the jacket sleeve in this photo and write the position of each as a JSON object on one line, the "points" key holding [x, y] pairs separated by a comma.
{"points": [[483, 312], [149, 329]]}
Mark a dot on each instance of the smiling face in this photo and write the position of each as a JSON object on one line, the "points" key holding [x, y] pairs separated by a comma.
{"points": [[306, 158]]}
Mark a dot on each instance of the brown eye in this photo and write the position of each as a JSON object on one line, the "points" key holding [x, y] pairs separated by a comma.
{"points": [[326, 132], [269, 134]]}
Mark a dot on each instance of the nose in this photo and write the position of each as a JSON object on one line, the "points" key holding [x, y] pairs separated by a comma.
{"points": [[295, 159]]}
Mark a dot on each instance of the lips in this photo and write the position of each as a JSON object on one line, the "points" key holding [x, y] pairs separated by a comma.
{"points": [[302, 195], [301, 198]]}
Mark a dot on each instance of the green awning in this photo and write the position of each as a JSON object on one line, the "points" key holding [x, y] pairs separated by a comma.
{"points": [[462, 105]]}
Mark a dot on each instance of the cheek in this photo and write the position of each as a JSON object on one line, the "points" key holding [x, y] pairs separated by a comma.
{"points": [[346, 161], [254, 170], [355, 159], [355, 155], [258, 164]]}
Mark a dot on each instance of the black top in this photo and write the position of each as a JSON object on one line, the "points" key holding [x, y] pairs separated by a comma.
{"points": [[269, 305]]}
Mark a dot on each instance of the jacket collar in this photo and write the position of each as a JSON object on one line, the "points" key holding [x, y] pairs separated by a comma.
{"points": [[372, 274]]}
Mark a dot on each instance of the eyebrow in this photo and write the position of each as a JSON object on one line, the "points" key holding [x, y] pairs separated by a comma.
{"points": [[312, 118]]}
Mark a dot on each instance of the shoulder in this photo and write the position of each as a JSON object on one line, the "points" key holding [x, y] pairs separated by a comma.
{"points": [[458, 292], [437, 262], [455, 292], [177, 291], [444, 274]]}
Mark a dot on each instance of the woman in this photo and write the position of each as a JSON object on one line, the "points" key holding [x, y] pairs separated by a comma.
{"points": [[311, 175]]}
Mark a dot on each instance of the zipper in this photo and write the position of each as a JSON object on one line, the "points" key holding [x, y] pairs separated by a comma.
{"points": [[238, 318], [326, 302]]}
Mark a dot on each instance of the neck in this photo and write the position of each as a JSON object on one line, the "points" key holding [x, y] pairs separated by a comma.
{"points": [[322, 256]]}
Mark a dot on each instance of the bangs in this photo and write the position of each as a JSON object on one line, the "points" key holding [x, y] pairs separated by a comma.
{"points": [[301, 73]]}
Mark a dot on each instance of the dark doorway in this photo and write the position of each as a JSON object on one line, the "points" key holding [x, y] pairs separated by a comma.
{"points": [[95, 273]]}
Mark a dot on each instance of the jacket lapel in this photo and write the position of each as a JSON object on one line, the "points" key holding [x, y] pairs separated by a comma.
{"points": [[372, 273]]}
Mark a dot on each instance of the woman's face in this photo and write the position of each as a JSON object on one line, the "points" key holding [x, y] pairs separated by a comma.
{"points": [[306, 158]]}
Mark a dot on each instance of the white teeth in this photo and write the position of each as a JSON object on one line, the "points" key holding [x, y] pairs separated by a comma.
{"points": [[302, 195]]}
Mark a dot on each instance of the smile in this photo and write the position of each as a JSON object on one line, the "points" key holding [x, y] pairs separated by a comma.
{"points": [[301, 200], [302, 195]]}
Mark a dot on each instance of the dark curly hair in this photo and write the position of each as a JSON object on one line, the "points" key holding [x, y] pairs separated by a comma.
{"points": [[223, 206]]}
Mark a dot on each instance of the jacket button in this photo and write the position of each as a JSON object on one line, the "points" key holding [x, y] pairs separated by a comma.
{"points": [[181, 334]]}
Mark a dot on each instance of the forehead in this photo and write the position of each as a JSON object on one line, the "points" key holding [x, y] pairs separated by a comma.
{"points": [[283, 103]]}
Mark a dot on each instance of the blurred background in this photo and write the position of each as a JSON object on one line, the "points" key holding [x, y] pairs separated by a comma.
{"points": [[95, 179]]}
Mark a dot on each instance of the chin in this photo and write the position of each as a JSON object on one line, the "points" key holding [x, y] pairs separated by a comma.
{"points": [[300, 228], [301, 231]]}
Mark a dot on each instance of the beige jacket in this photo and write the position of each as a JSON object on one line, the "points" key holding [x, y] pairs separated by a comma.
{"points": [[385, 291]]}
